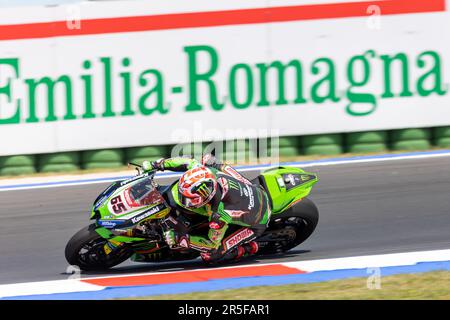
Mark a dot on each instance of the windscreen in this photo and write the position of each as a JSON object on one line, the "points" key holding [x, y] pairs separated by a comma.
{"points": [[143, 193]]}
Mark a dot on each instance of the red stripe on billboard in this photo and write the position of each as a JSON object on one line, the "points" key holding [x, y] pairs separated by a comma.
{"points": [[194, 276], [216, 18]]}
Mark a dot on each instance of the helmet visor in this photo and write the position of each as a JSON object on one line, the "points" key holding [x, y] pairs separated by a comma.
{"points": [[193, 202]]}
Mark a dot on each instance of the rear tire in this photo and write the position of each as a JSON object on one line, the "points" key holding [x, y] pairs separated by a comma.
{"points": [[296, 224], [94, 259]]}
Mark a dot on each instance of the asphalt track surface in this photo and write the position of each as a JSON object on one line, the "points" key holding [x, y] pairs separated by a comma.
{"points": [[365, 208]]}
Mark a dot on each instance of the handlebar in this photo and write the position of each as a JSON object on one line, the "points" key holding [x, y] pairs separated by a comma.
{"points": [[138, 167]]}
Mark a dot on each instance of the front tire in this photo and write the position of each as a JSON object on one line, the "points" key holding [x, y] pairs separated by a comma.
{"points": [[85, 250]]}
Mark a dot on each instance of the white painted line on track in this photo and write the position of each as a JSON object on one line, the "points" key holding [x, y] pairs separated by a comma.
{"points": [[357, 262], [46, 287], [87, 179], [371, 261]]}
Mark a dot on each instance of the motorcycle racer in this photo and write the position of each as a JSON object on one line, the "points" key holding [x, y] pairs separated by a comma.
{"points": [[237, 210]]}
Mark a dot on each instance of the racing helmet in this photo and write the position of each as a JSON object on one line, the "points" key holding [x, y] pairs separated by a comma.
{"points": [[197, 187]]}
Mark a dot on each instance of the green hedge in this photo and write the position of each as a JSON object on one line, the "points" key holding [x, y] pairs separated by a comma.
{"points": [[289, 151], [102, 165], [140, 154], [410, 134], [14, 171], [16, 165], [237, 157], [238, 150], [441, 132], [97, 159], [287, 147], [366, 137], [367, 147], [366, 142], [441, 137], [411, 145], [320, 144], [328, 149], [284, 142], [17, 161], [59, 162], [411, 139], [443, 142]]}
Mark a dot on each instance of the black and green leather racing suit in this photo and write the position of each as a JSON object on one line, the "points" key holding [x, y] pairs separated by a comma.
{"points": [[237, 204]]}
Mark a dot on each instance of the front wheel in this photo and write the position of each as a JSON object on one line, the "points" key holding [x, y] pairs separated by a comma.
{"points": [[86, 249], [290, 228]]}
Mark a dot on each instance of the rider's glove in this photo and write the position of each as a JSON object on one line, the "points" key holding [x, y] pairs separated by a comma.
{"points": [[154, 165], [174, 238], [210, 160]]}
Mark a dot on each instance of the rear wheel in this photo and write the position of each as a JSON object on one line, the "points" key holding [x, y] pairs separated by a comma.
{"points": [[290, 228], [86, 249]]}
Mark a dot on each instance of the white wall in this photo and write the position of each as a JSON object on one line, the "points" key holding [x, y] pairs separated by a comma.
{"points": [[240, 47]]}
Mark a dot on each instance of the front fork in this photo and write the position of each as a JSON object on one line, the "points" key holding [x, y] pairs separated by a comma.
{"points": [[140, 246], [111, 237]]}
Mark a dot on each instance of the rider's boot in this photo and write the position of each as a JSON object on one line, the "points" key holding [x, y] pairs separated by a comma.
{"points": [[242, 251], [236, 254], [246, 250]]}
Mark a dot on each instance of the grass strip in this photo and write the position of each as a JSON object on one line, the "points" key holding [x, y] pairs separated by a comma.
{"points": [[419, 286]]}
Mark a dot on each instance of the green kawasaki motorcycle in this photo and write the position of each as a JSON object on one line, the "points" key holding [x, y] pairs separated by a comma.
{"points": [[131, 216]]}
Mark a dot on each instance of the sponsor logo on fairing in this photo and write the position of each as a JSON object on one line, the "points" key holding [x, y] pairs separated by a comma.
{"points": [[232, 172], [128, 199], [251, 197], [146, 214], [305, 177], [235, 213], [214, 225], [234, 185], [104, 196], [100, 202], [238, 237], [215, 234], [132, 179], [110, 223], [224, 184]]}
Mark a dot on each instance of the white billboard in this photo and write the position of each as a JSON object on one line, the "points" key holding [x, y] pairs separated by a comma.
{"points": [[118, 74]]}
